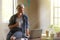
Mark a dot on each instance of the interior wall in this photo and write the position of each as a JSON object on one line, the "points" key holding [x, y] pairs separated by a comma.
{"points": [[3, 26], [33, 14], [1, 35], [0, 9], [45, 13], [32, 11]]}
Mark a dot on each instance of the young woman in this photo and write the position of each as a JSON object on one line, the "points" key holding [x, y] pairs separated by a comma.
{"points": [[18, 24]]}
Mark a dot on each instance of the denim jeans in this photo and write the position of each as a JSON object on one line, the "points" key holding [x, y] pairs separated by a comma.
{"points": [[17, 34]]}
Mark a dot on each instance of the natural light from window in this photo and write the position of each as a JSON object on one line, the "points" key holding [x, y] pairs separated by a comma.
{"points": [[8, 8], [55, 12]]}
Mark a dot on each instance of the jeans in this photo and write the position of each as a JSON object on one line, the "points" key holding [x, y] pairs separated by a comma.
{"points": [[17, 34]]}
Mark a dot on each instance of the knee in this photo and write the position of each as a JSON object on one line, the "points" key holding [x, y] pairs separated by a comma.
{"points": [[13, 38]]}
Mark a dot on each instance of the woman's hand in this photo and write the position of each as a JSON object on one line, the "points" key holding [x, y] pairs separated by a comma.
{"points": [[16, 24], [27, 33], [12, 26]]}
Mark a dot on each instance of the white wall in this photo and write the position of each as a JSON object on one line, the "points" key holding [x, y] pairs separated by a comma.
{"points": [[44, 15], [3, 26], [1, 36], [0, 9]]}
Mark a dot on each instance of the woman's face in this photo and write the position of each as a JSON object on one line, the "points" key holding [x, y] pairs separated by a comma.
{"points": [[20, 9]]}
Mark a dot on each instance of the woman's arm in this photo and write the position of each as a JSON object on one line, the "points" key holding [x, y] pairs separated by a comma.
{"points": [[28, 33], [11, 22], [27, 27], [12, 26]]}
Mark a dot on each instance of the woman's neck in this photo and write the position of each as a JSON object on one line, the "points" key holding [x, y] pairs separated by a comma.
{"points": [[19, 14]]}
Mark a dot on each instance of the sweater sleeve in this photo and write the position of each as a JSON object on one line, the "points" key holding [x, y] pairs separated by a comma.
{"points": [[11, 21]]}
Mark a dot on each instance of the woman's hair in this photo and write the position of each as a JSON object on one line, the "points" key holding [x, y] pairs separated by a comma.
{"points": [[20, 5]]}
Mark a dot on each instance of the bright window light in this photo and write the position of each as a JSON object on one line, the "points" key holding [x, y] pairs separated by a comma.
{"points": [[55, 12], [7, 10]]}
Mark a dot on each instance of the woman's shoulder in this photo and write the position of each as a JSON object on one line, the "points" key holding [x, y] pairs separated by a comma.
{"points": [[13, 16], [25, 15]]}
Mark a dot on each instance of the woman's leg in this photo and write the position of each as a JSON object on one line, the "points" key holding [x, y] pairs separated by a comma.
{"points": [[17, 35], [8, 36]]}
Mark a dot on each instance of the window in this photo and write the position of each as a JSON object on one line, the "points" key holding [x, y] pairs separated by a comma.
{"points": [[55, 12], [8, 8]]}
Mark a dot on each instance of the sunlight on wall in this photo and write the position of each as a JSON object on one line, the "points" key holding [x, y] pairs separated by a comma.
{"points": [[8, 8], [44, 15]]}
